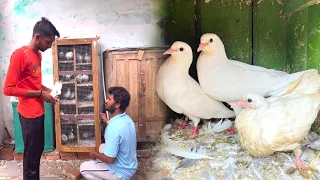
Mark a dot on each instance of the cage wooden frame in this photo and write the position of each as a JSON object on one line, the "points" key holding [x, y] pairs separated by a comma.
{"points": [[94, 72]]}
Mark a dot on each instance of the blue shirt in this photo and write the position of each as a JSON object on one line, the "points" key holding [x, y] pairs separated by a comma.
{"points": [[120, 137]]}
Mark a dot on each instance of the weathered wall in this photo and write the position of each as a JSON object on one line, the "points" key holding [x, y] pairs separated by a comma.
{"points": [[269, 47], [119, 23], [232, 22], [275, 34], [303, 34], [303, 41]]}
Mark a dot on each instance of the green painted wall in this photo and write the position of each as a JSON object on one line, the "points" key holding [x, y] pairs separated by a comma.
{"points": [[313, 37], [285, 34], [178, 24], [231, 21], [292, 6], [269, 35], [277, 34], [177, 21], [297, 41], [303, 41]]}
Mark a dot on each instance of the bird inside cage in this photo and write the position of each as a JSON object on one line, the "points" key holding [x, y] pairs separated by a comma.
{"points": [[64, 138], [69, 55], [61, 54], [88, 97], [71, 135], [79, 58], [87, 134], [67, 77], [82, 78], [87, 58], [67, 94]]}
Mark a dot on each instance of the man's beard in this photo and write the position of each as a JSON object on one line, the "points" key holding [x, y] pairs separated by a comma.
{"points": [[112, 109]]}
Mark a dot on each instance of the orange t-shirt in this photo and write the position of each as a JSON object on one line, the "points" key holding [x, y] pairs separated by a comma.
{"points": [[24, 73]]}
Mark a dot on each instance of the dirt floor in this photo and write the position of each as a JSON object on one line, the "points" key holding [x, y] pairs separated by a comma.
{"points": [[52, 169]]}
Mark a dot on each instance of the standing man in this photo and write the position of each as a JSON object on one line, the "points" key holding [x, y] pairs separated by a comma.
{"points": [[117, 158], [24, 80]]}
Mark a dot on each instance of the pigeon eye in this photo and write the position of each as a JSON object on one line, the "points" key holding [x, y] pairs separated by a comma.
{"points": [[249, 100], [181, 49], [211, 40]]}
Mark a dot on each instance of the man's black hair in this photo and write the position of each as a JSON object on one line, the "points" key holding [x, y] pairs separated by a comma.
{"points": [[45, 28], [121, 96]]}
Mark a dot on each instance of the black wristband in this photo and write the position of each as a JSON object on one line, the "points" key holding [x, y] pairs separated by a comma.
{"points": [[40, 93]]}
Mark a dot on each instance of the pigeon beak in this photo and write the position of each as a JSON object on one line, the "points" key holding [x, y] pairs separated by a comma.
{"points": [[201, 46], [169, 51], [241, 103]]}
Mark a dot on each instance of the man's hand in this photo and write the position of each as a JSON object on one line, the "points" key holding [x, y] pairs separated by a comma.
{"points": [[46, 89], [57, 99], [101, 156], [104, 118], [93, 154], [46, 96]]}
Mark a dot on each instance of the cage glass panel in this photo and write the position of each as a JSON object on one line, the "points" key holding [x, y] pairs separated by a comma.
{"points": [[69, 133], [67, 109], [68, 94], [87, 132], [85, 99], [83, 57], [66, 58], [84, 79]]}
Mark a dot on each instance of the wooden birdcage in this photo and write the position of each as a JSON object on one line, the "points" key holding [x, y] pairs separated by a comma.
{"points": [[77, 120]]}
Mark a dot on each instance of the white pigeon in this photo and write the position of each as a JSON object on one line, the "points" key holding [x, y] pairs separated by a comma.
{"points": [[69, 55], [85, 77], [87, 134], [72, 95], [265, 128], [61, 54], [67, 94], [67, 77], [89, 97], [228, 80], [87, 58], [79, 58], [56, 90], [71, 135], [64, 138], [79, 78], [181, 92]]}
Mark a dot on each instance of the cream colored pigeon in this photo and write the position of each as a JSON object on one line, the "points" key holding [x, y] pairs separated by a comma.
{"points": [[265, 128], [228, 80], [181, 92]]}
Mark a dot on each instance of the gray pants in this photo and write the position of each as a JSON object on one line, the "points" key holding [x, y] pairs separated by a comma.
{"points": [[96, 169]]}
